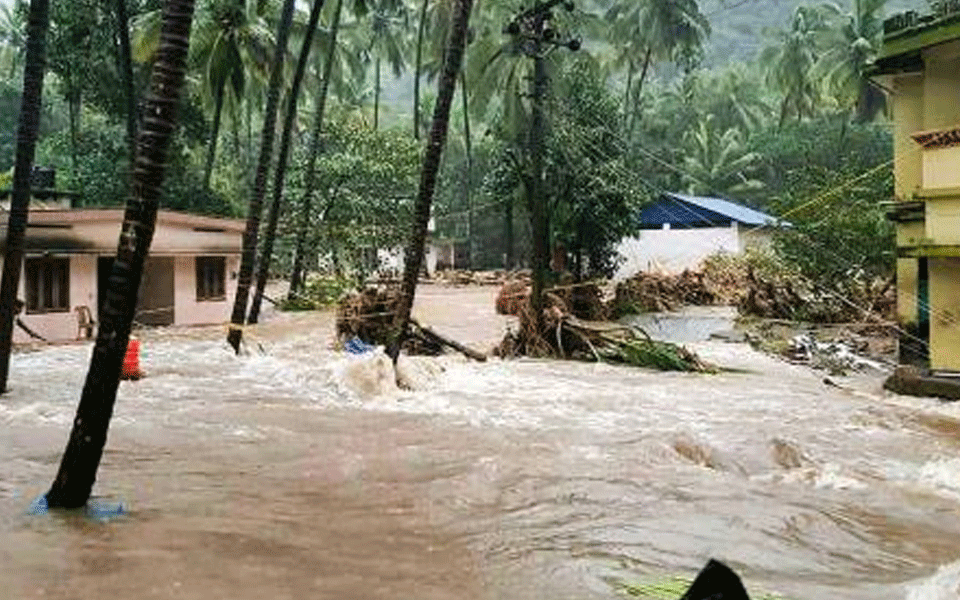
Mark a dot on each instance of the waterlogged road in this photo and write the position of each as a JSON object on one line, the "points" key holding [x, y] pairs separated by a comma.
{"points": [[265, 476]]}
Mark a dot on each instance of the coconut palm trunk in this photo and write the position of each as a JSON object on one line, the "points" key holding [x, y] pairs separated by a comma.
{"points": [[78, 469], [418, 67], [249, 254], [306, 208], [214, 132], [413, 259], [37, 25], [126, 73], [266, 253]]}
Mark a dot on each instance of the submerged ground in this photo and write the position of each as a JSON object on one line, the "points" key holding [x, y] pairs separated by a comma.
{"points": [[270, 476]]}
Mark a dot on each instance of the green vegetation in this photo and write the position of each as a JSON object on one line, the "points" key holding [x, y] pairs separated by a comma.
{"points": [[769, 107]]}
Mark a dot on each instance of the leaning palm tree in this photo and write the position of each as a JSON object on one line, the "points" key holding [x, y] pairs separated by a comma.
{"points": [[81, 459], [266, 253], [313, 153], [413, 260], [38, 23], [251, 233]]}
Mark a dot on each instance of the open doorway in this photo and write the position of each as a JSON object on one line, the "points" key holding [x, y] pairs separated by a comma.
{"points": [[156, 297]]}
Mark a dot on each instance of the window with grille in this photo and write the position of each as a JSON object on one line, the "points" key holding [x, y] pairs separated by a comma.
{"points": [[211, 278], [47, 284]]}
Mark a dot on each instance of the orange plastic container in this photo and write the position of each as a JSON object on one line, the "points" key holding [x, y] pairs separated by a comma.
{"points": [[131, 361]]}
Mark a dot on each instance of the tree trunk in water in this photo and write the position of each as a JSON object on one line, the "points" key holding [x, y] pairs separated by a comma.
{"points": [[249, 254], [78, 469], [37, 25], [413, 259], [376, 95], [266, 255], [214, 133], [126, 74], [468, 175], [297, 274], [418, 66]]}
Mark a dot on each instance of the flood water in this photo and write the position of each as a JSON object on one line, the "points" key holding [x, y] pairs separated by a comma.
{"points": [[266, 477]]}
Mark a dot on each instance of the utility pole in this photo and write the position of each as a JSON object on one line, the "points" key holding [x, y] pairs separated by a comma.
{"points": [[536, 39]]}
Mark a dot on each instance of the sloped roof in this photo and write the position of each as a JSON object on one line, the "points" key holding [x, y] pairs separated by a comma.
{"points": [[731, 210]]}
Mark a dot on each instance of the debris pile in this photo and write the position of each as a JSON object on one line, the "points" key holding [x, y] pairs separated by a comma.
{"points": [[368, 316], [834, 356], [559, 334], [459, 277], [659, 292]]}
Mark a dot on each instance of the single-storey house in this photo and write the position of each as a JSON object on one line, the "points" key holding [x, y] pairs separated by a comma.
{"points": [[189, 278], [678, 232], [920, 63]]}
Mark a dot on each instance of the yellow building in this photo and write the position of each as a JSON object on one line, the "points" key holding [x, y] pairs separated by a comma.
{"points": [[920, 66]]}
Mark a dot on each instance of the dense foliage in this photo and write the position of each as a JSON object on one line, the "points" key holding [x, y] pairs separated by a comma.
{"points": [[771, 108]]}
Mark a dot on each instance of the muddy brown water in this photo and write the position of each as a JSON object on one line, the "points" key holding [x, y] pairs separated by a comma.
{"points": [[265, 477]]}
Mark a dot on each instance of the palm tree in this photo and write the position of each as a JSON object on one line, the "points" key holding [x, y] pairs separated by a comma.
{"points": [[306, 209], [248, 255], [233, 45], [790, 62], [81, 459], [447, 84], [718, 161], [37, 25], [851, 45], [12, 38], [386, 43], [654, 30], [266, 253], [126, 73]]}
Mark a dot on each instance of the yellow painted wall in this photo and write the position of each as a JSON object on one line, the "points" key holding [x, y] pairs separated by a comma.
{"points": [[945, 314], [907, 119], [941, 166], [906, 290], [941, 86], [911, 233], [943, 221]]}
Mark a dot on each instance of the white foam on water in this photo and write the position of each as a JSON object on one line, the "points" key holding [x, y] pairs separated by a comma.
{"points": [[940, 476], [942, 585]]}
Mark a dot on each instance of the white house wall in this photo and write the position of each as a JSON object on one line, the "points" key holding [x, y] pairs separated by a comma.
{"points": [[673, 250]]}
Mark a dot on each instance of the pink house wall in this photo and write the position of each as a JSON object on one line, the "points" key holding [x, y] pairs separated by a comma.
{"points": [[189, 310], [87, 234]]}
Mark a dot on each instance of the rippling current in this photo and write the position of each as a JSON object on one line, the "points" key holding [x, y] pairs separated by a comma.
{"points": [[295, 472]]}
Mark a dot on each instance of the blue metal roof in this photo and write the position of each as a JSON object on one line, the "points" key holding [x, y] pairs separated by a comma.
{"points": [[698, 211]]}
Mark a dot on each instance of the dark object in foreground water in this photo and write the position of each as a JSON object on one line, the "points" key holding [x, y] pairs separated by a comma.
{"points": [[716, 582]]}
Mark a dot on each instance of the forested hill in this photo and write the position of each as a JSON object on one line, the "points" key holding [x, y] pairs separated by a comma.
{"points": [[739, 25]]}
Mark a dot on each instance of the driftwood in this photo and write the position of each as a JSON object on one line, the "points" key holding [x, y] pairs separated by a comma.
{"points": [[433, 336]]}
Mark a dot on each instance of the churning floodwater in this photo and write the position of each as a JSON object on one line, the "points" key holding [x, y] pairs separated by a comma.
{"points": [[295, 472]]}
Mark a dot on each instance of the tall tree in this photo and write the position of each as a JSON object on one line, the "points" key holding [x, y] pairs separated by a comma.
{"points": [[126, 73], [313, 151], [851, 46], [413, 259], [418, 65], [266, 253], [790, 61], [81, 459], [250, 234], [652, 30], [38, 22]]}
